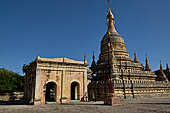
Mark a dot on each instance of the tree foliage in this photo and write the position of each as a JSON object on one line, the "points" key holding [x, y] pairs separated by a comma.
{"points": [[24, 68], [10, 81]]}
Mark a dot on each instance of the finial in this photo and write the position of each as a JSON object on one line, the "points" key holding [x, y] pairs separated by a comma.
{"points": [[38, 57], [145, 55], [108, 4], [134, 52], [110, 15]]}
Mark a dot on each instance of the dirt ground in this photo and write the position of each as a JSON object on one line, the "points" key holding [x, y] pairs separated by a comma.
{"points": [[147, 105]]}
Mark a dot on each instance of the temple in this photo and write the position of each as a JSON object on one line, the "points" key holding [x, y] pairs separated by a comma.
{"points": [[115, 72]]}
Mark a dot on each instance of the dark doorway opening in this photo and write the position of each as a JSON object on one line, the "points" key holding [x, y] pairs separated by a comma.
{"points": [[75, 91], [51, 92]]}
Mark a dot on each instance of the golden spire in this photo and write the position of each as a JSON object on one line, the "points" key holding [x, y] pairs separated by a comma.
{"points": [[110, 21], [110, 15]]}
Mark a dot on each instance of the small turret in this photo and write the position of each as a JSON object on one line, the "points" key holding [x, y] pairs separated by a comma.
{"points": [[167, 71], [38, 57], [161, 69], [85, 59], [93, 65], [147, 67], [135, 58], [161, 74], [167, 67]]}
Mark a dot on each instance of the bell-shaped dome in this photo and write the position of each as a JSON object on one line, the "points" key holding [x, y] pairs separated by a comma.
{"points": [[118, 39], [115, 38], [118, 44]]}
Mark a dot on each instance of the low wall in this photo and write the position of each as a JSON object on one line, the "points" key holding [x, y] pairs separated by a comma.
{"points": [[11, 96]]}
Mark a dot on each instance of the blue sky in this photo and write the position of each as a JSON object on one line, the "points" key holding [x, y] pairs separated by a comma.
{"points": [[70, 28]]}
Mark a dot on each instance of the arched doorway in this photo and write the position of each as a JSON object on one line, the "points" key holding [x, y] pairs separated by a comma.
{"points": [[51, 92], [75, 91]]}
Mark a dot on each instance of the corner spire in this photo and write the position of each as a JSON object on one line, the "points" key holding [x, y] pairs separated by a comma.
{"points": [[93, 65], [135, 58], [167, 71], [93, 56], [161, 69], [147, 67], [93, 62], [167, 67]]}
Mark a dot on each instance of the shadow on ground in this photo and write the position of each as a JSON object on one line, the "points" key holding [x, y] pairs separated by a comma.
{"points": [[16, 102], [153, 103]]}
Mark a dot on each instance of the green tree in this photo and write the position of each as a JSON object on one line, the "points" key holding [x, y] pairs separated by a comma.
{"points": [[10, 81]]}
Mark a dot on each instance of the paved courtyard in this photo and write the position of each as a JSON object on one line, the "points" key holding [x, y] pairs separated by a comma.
{"points": [[149, 105]]}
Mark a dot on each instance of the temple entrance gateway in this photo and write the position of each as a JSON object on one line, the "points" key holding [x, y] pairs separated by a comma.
{"points": [[56, 80], [75, 91], [51, 92]]}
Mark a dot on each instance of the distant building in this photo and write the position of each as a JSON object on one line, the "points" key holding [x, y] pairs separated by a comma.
{"points": [[50, 80]]}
